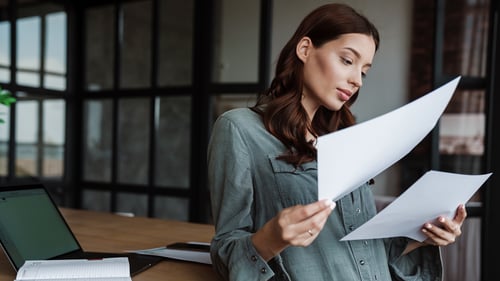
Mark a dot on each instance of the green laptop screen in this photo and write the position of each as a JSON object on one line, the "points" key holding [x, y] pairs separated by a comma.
{"points": [[31, 227]]}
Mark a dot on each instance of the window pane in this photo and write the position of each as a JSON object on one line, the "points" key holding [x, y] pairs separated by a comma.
{"points": [[54, 82], [54, 119], [466, 38], [4, 139], [55, 51], [133, 140], [26, 138], [132, 204], [28, 78], [172, 208], [96, 200], [237, 42], [462, 126], [97, 138], [173, 141], [5, 44], [461, 134], [175, 42], [223, 103], [4, 75], [136, 45], [28, 43], [99, 48], [26, 121]]}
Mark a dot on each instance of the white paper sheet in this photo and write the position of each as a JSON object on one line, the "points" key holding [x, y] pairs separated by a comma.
{"points": [[434, 194], [349, 157], [185, 255], [116, 269]]}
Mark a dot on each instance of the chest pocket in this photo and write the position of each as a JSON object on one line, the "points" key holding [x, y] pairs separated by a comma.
{"points": [[295, 185]]}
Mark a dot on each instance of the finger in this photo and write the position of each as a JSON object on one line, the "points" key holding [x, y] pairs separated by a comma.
{"points": [[440, 236], [460, 214], [318, 206], [433, 238], [451, 225], [315, 223], [297, 223], [305, 236], [310, 228], [299, 213]]}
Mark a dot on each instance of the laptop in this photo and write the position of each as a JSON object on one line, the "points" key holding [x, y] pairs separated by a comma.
{"points": [[32, 228]]}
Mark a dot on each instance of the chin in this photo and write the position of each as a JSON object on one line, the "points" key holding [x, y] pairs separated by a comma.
{"points": [[335, 106]]}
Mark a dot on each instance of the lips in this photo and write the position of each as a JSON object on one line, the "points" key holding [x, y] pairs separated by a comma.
{"points": [[344, 95]]}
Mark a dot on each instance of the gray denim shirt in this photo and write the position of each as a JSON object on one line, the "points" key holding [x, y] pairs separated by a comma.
{"points": [[249, 186]]}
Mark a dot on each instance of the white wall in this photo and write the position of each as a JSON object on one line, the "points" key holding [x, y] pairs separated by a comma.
{"points": [[386, 86]]}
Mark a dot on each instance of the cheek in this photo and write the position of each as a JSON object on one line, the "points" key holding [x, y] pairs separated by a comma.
{"points": [[328, 69], [319, 74]]}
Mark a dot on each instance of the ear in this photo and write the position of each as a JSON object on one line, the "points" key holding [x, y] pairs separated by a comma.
{"points": [[304, 48]]}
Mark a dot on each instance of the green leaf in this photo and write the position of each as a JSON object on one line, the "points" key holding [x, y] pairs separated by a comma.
{"points": [[6, 97], [7, 100]]}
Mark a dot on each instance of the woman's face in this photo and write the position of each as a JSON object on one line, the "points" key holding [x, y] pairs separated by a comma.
{"points": [[334, 71]]}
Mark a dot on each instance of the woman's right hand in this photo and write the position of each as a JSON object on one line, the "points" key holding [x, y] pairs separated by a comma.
{"points": [[294, 226]]}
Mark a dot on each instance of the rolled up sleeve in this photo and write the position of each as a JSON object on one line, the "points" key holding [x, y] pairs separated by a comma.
{"points": [[230, 182], [422, 264]]}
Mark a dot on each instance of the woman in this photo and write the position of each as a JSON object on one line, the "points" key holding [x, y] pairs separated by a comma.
{"points": [[263, 171]]}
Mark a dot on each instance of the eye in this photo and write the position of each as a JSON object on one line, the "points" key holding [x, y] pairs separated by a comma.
{"points": [[346, 61]]}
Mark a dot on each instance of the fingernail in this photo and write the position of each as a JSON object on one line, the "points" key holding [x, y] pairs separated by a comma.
{"points": [[329, 203], [428, 225], [441, 219]]}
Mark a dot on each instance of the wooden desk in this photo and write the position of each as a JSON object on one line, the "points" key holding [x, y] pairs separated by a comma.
{"points": [[106, 232]]}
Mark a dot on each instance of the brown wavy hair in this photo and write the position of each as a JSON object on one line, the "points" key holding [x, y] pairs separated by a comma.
{"points": [[280, 105]]}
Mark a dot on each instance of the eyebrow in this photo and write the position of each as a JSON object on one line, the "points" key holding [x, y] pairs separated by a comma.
{"points": [[357, 54]]}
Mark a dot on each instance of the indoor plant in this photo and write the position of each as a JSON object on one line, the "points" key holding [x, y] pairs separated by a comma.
{"points": [[6, 99]]}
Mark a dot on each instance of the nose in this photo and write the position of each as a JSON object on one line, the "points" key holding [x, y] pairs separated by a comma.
{"points": [[356, 79]]}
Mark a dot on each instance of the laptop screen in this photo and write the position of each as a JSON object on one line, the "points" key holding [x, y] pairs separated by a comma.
{"points": [[31, 226]]}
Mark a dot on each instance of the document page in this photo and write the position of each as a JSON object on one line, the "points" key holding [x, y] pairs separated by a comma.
{"points": [[198, 256], [349, 157], [102, 269], [434, 194]]}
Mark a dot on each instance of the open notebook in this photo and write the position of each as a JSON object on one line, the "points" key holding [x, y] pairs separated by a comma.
{"points": [[32, 228]]}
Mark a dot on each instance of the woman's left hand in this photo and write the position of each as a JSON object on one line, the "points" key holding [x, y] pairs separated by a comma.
{"points": [[448, 230]]}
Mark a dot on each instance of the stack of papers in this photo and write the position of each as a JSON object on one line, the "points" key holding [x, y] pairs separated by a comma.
{"points": [[110, 269], [350, 157], [198, 252]]}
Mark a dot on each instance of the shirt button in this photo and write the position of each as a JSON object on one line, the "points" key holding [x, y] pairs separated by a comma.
{"points": [[351, 227], [263, 270], [253, 258], [362, 262], [365, 242], [358, 210]]}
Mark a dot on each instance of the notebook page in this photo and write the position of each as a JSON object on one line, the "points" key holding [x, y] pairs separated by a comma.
{"points": [[71, 269]]}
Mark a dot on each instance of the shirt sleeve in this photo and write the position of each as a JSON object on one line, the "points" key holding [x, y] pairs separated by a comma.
{"points": [[230, 183], [423, 263]]}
